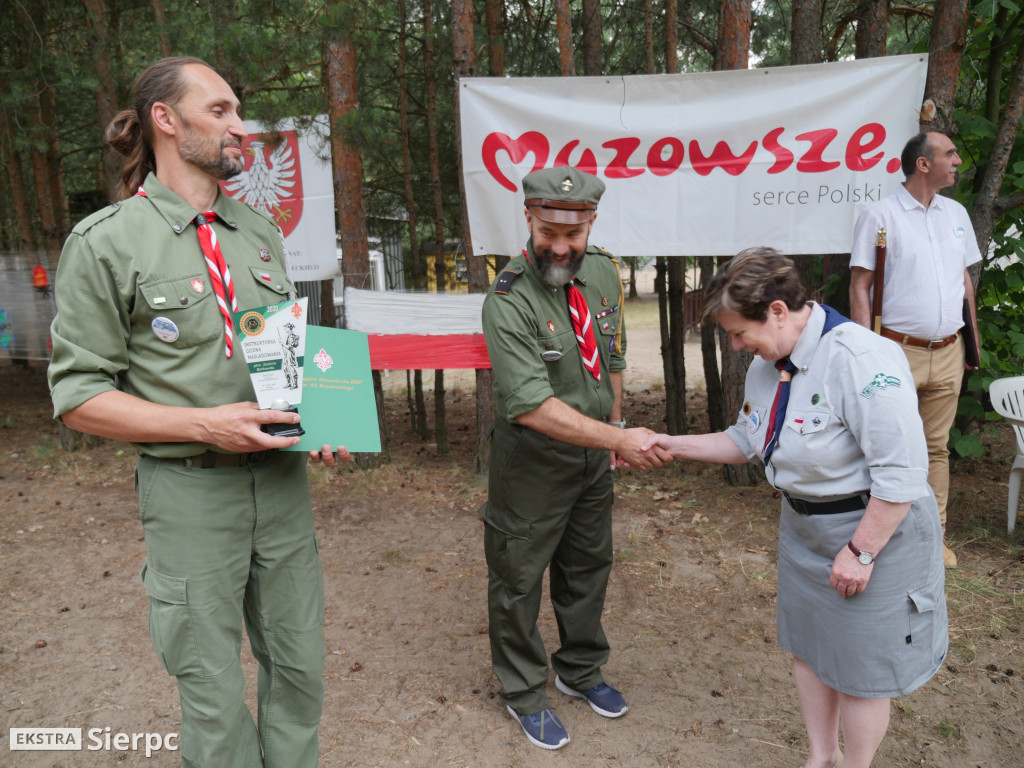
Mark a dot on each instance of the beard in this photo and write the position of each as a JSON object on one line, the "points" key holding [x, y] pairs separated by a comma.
{"points": [[558, 273], [207, 154]]}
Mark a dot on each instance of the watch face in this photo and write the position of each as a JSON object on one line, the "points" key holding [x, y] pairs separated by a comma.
{"points": [[866, 558]]}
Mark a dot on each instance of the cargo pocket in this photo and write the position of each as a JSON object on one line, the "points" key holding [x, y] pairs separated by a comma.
{"points": [[170, 625], [921, 605], [506, 538]]}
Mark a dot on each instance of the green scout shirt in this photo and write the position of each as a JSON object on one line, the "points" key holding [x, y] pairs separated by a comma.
{"points": [[533, 317], [138, 260]]}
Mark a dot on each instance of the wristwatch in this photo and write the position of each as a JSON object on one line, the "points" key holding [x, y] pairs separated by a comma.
{"points": [[619, 424], [866, 558]]}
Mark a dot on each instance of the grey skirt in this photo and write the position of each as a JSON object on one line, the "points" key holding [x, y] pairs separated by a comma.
{"points": [[882, 642]]}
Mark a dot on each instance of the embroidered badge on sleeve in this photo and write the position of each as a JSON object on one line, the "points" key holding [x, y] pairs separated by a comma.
{"points": [[881, 381]]}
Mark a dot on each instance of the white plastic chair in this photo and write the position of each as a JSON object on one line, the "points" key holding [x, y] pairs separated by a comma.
{"points": [[1008, 400]]}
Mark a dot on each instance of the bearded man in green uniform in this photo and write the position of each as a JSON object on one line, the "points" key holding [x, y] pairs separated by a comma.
{"points": [[143, 352], [554, 330]]}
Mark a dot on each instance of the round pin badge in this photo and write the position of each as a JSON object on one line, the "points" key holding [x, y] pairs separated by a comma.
{"points": [[164, 329], [753, 422], [815, 398]]}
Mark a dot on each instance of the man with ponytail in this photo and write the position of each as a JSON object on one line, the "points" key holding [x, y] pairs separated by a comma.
{"points": [[143, 351]]}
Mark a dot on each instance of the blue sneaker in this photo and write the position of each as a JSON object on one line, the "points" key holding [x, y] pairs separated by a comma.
{"points": [[542, 728], [602, 698]]}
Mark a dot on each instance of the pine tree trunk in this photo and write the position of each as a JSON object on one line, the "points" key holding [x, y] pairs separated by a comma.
{"points": [[671, 36], [593, 56], [872, 28], [805, 41], [342, 92], [417, 406], [462, 31], [440, 419], [709, 357], [677, 338], [946, 44], [566, 58], [27, 237], [732, 53], [495, 38], [160, 17], [106, 90]]}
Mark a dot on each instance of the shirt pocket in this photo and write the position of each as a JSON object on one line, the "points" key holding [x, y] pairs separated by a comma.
{"points": [[807, 423], [181, 311], [564, 367], [275, 280], [607, 321]]}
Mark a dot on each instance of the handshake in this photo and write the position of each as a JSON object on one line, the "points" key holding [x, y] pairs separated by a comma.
{"points": [[641, 448]]}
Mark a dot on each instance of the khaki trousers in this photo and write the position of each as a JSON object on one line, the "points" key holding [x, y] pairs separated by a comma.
{"points": [[938, 375], [227, 546], [549, 505]]}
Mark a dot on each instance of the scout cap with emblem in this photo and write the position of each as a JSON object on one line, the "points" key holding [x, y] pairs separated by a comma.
{"points": [[562, 195]]}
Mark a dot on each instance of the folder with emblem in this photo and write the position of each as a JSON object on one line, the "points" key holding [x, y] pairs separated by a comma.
{"points": [[338, 406]]}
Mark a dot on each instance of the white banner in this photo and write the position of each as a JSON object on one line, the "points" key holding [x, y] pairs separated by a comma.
{"points": [[697, 164], [291, 180]]}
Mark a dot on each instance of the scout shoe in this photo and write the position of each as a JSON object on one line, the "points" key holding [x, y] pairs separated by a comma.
{"points": [[603, 699], [544, 729]]}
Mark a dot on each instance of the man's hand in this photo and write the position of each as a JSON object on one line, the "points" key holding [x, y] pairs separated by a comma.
{"points": [[331, 458], [236, 427]]}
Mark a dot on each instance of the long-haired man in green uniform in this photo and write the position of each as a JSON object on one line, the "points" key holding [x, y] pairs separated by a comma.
{"points": [[143, 352]]}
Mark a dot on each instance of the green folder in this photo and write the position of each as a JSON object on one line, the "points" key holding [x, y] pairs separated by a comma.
{"points": [[338, 406]]}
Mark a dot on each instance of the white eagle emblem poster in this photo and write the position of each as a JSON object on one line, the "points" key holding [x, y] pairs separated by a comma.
{"points": [[287, 175]]}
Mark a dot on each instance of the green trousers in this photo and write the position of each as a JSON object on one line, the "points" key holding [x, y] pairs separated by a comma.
{"points": [[226, 546], [549, 503]]}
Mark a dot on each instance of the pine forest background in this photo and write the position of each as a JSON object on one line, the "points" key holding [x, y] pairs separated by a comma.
{"points": [[385, 73]]}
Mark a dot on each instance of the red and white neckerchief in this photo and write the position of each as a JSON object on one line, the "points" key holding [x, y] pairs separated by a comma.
{"points": [[583, 328], [220, 275]]}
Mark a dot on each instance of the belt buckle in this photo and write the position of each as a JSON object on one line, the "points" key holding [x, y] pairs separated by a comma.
{"points": [[798, 505]]}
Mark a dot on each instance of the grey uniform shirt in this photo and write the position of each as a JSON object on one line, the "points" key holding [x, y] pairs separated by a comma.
{"points": [[852, 422]]}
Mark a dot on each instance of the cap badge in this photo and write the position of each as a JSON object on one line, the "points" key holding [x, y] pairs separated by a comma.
{"points": [[567, 185], [264, 254], [197, 285], [551, 326]]}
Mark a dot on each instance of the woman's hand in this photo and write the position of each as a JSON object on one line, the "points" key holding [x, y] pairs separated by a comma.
{"points": [[849, 575]]}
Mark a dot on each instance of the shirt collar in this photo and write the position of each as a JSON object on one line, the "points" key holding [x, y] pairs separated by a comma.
{"points": [[176, 212], [808, 341], [909, 202]]}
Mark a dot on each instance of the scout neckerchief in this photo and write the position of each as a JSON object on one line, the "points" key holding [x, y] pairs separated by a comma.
{"points": [[581, 326], [583, 329], [220, 275], [786, 370]]}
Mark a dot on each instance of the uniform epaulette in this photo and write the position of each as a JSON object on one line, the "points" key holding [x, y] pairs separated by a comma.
{"points": [[504, 281], [599, 250], [93, 219]]}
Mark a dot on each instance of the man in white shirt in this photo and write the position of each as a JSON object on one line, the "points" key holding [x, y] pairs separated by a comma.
{"points": [[929, 245]]}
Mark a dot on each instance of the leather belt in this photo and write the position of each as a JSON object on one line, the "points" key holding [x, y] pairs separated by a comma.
{"points": [[834, 507], [213, 460], [910, 341]]}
